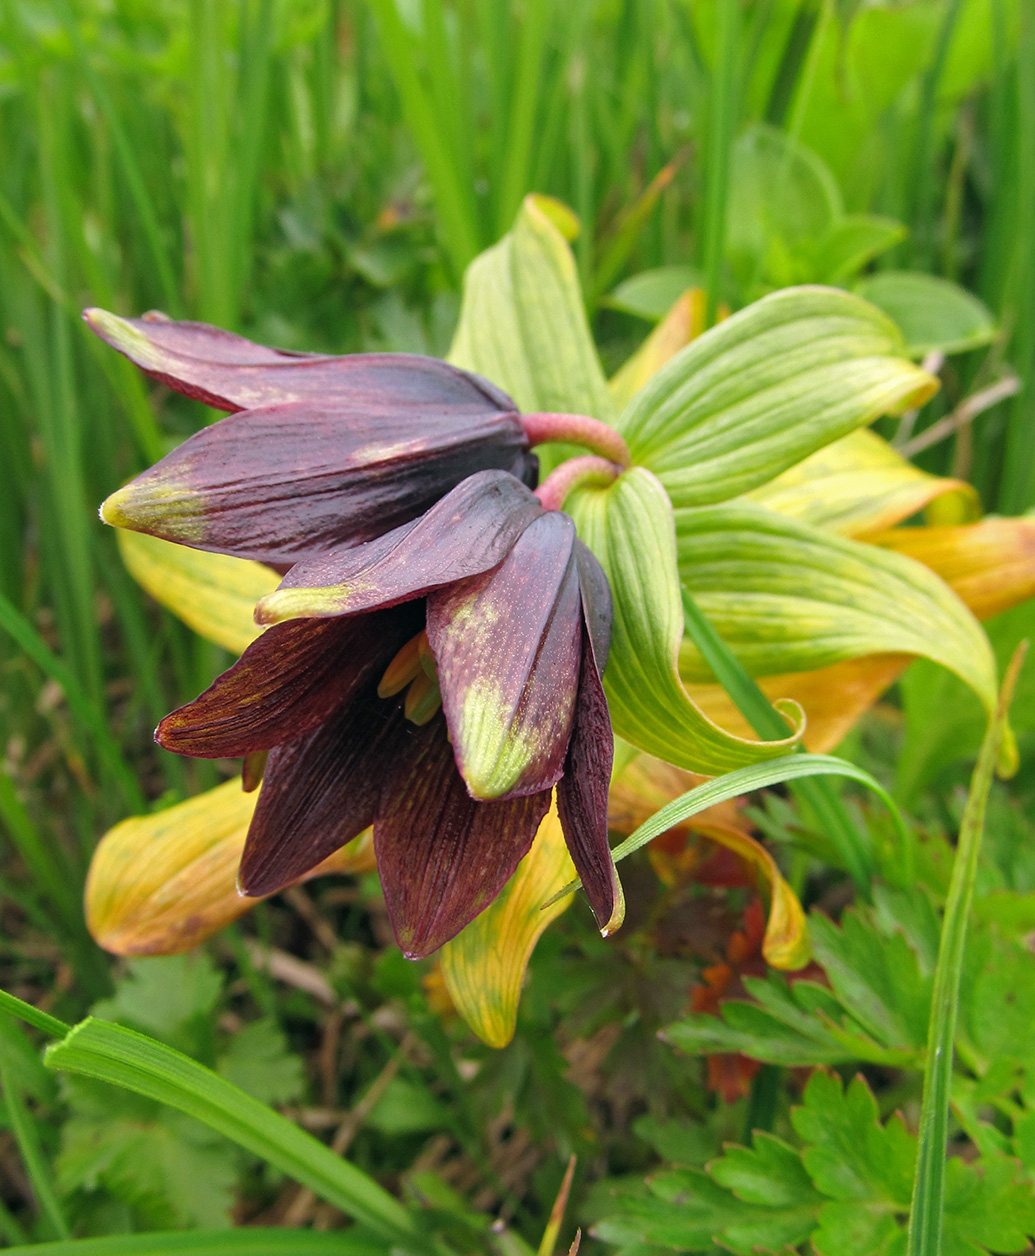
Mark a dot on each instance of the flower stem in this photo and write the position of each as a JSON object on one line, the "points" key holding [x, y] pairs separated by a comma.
{"points": [[577, 429], [589, 468]]}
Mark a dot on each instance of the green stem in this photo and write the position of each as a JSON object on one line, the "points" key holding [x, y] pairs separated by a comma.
{"points": [[926, 1216]]}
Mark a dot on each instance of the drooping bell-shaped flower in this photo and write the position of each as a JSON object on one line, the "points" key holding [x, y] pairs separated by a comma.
{"points": [[438, 681], [321, 450]]}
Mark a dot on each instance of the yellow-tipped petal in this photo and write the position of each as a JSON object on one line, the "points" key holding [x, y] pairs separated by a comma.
{"points": [[212, 593], [484, 966], [162, 883], [121, 334]]}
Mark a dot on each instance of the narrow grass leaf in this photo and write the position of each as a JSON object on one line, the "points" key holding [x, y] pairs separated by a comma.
{"points": [[125, 1058], [26, 1136], [767, 722], [32, 1015], [926, 1216], [90, 719], [792, 767], [249, 1241]]}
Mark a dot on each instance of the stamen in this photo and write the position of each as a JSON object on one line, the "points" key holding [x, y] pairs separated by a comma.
{"points": [[404, 668], [423, 699], [252, 769]]}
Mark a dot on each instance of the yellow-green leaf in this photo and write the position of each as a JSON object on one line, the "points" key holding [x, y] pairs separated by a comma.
{"points": [[523, 324], [212, 593], [787, 597], [629, 527], [162, 883], [484, 965], [766, 388], [860, 484]]}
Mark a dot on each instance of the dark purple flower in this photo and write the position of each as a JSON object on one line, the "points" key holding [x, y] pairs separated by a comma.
{"points": [[486, 604], [322, 451]]}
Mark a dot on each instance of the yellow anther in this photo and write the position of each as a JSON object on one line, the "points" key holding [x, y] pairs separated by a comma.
{"points": [[406, 666], [423, 700]]}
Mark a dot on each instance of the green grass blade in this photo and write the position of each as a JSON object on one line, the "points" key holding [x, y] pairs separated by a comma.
{"points": [[787, 768], [459, 229], [926, 1216], [23, 1127], [23, 1011], [523, 112], [817, 794], [50, 873], [125, 1058], [721, 126], [792, 767], [138, 192], [249, 1241], [90, 719]]}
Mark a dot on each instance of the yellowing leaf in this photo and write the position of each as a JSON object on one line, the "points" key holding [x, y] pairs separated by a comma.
{"points": [[162, 883], [766, 388], [859, 485], [484, 966], [788, 597], [990, 564], [647, 784], [684, 322], [212, 593], [629, 527]]}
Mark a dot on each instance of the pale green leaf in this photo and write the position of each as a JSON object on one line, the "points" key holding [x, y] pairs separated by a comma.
{"points": [[787, 597], [523, 325], [932, 313], [629, 526], [781, 195], [852, 242], [652, 293], [766, 388]]}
